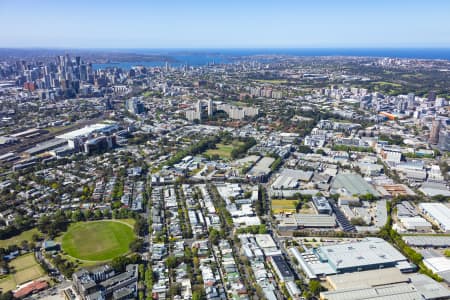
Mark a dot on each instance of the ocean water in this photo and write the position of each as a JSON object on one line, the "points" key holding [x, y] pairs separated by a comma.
{"points": [[199, 57]]}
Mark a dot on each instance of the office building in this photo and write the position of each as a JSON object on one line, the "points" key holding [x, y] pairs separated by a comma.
{"points": [[135, 106], [104, 283], [210, 108], [322, 205], [434, 132]]}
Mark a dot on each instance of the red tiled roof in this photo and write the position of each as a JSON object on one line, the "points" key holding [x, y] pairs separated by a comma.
{"points": [[31, 288]]}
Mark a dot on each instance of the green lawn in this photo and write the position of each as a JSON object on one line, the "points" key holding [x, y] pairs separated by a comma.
{"points": [[23, 269], [273, 81], [223, 150], [16, 240], [97, 240]]}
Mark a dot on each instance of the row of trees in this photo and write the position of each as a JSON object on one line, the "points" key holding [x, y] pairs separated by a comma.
{"points": [[261, 203], [21, 224], [254, 229], [394, 237], [194, 149], [351, 148], [242, 149]]}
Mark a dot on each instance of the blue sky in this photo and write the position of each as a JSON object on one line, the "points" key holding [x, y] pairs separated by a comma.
{"points": [[224, 24]]}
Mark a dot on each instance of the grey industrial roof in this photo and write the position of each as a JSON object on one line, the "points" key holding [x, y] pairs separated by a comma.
{"points": [[429, 288], [371, 251], [307, 220], [262, 166], [427, 241], [367, 278], [401, 291], [354, 184], [53, 143], [439, 212]]}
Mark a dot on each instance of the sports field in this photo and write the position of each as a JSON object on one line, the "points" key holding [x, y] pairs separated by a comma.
{"points": [[23, 268], [97, 240], [223, 150], [283, 205]]}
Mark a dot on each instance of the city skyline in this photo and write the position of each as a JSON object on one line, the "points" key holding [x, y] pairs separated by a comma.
{"points": [[200, 24]]}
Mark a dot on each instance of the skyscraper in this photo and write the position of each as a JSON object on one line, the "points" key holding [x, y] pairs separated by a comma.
{"points": [[434, 133], [210, 108], [198, 109], [411, 102]]}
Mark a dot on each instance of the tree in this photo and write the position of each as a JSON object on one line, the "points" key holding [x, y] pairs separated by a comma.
{"points": [[119, 263], [315, 287], [35, 237], [262, 229], [140, 226], [7, 296], [171, 262], [136, 245], [214, 236], [304, 149], [321, 152], [44, 223], [197, 295]]}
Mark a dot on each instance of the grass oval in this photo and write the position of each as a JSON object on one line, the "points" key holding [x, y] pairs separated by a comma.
{"points": [[97, 240]]}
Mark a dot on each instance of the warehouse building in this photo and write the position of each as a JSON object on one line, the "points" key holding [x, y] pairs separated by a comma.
{"points": [[368, 254], [261, 169], [352, 184], [290, 179], [416, 224], [438, 213], [366, 279], [45, 147], [427, 241], [418, 287], [305, 221]]}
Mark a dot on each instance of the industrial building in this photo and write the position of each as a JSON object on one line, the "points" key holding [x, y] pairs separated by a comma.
{"points": [[304, 221], [289, 179], [365, 279], [92, 138], [261, 169], [369, 254], [386, 285], [45, 147], [416, 224], [438, 213], [352, 184], [85, 132], [427, 241]]}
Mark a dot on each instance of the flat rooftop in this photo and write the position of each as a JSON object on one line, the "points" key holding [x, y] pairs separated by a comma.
{"points": [[85, 131], [439, 212], [369, 252], [369, 278]]}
